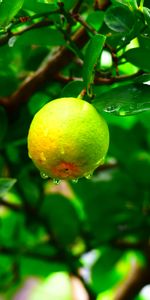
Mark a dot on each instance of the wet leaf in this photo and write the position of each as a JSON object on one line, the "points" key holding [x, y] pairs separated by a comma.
{"points": [[124, 100]]}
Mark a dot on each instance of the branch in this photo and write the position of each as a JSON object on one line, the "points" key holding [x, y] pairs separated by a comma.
{"points": [[50, 66], [9, 34], [98, 80], [138, 277], [113, 79]]}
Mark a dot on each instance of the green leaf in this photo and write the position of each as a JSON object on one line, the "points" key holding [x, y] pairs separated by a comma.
{"points": [[103, 206], [5, 185], [142, 78], [95, 19], [37, 101], [124, 100], [144, 41], [61, 215], [139, 57], [132, 4], [125, 140], [139, 167], [33, 266], [3, 123], [10, 225], [119, 18], [8, 9], [72, 89], [47, 1], [104, 275], [92, 55], [48, 37], [146, 12], [37, 7], [68, 4]]}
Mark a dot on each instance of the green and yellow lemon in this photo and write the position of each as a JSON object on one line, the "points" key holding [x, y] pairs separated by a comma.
{"points": [[68, 139]]}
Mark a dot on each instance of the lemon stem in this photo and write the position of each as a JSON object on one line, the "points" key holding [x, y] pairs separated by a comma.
{"points": [[82, 94]]}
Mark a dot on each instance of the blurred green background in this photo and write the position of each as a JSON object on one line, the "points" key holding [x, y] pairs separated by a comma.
{"points": [[89, 240]]}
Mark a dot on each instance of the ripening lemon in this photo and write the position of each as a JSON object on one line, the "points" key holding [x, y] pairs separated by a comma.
{"points": [[68, 139]]}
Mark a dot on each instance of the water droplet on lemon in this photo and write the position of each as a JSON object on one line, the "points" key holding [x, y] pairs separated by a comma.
{"points": [[56, 181], [89, 176], [75, 180], [44, 175]]}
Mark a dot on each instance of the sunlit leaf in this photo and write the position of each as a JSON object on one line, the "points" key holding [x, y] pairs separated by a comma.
{"points": [[92, 55], [5, 185], [146, 12], [132, 4], [104, 275], [8, 9], [39, 6], [96, 19]]}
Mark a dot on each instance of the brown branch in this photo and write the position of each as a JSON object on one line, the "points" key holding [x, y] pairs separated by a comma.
{"points": [[113, 79], [40, 24], [79, 19], [78, 290], [50, 66], [98, 80], [101, 4], [138, 277], [123, 244], [5, 38]]}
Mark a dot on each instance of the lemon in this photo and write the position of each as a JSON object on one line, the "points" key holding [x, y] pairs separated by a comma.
{"points": [[68, 139]]}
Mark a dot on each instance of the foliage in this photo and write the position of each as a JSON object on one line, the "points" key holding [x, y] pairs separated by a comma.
{"points": [[87, 235]]}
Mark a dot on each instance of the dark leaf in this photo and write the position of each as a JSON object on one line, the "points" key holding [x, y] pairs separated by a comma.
{"points": [[62, 216], [72, 89], [48, 37], [119, 18], [132, 4], [3, 123], [104, 275], [139, 57]]}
